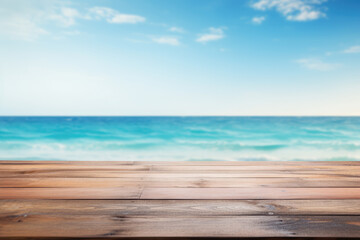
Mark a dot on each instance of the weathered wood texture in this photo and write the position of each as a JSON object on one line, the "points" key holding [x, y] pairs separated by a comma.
{"points": [[99, 200]]}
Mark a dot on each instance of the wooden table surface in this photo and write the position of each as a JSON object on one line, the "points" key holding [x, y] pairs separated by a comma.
{"points": [[62, 199]]}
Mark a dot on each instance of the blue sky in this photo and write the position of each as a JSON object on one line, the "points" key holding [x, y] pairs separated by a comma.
{"points": [[180, 57]]}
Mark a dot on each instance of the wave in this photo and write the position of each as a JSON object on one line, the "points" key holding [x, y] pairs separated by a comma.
{"points": [[180, 138], [43, 153], [156, 143]]}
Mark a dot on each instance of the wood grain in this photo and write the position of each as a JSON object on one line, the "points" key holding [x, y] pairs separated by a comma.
{"points": [[181, 174], [120, 226], [180, 193], [191, 163], [196, 182], [169, 168], [176, 208], [101, 200], [70, 193], [250, 193]]}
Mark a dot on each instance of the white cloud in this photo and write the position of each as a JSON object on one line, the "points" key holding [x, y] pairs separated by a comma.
{"points": [[25, 20], [102, 12], [19, 21], [28, 20], [127, 18], [113, 16], [18, 27], [176, 29], [353, 49], [316, 64], [258, 20], [66, 17], [167, 40], [293, 10], [213, 35]]}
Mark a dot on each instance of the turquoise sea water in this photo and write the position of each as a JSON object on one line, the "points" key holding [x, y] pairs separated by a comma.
{"points": [[180, 138]]}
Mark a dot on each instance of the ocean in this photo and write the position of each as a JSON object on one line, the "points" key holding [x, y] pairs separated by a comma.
{"points": [[180, 138]]}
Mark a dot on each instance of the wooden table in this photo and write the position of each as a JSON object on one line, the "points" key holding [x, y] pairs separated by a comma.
{"points": [[179, 199]]}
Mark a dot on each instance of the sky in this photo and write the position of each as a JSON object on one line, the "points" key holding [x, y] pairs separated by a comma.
{"points": [[180, 57]]}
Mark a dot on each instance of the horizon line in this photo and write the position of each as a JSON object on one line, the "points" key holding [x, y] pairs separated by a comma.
{"points": [[179, 116]]}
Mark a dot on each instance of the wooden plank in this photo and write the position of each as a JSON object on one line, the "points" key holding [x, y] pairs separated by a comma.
{"points": [[68, 167], [191, 163], [180, 182], [169, 238], [70, 193], [70, 182], [161, 174], [170, 168], [234, 173], [250, 163], [179, 199], [250, 193], [180, 193], [120, 226], [180, 208], [250, 168], [55, 162], [73, 174], [166, 238]]}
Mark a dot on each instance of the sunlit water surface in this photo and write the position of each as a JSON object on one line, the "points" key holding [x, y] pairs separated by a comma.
{"points": [[180, 138]]}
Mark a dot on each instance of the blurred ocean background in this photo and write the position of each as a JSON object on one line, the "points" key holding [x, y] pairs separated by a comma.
{"points": [[180, 138]]}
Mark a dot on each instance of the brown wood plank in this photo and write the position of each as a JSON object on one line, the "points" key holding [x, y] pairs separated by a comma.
{"points": [[70, 193], [70, 182], [250, 163], [66, 174], [191, 163], [170, 168], [180, 208], [120, 226], [183, 174], [180, 182], [206, 168], [68, 167], [179, 199], [170, 238], [180, 193], [55, 162], [250, 193]]}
